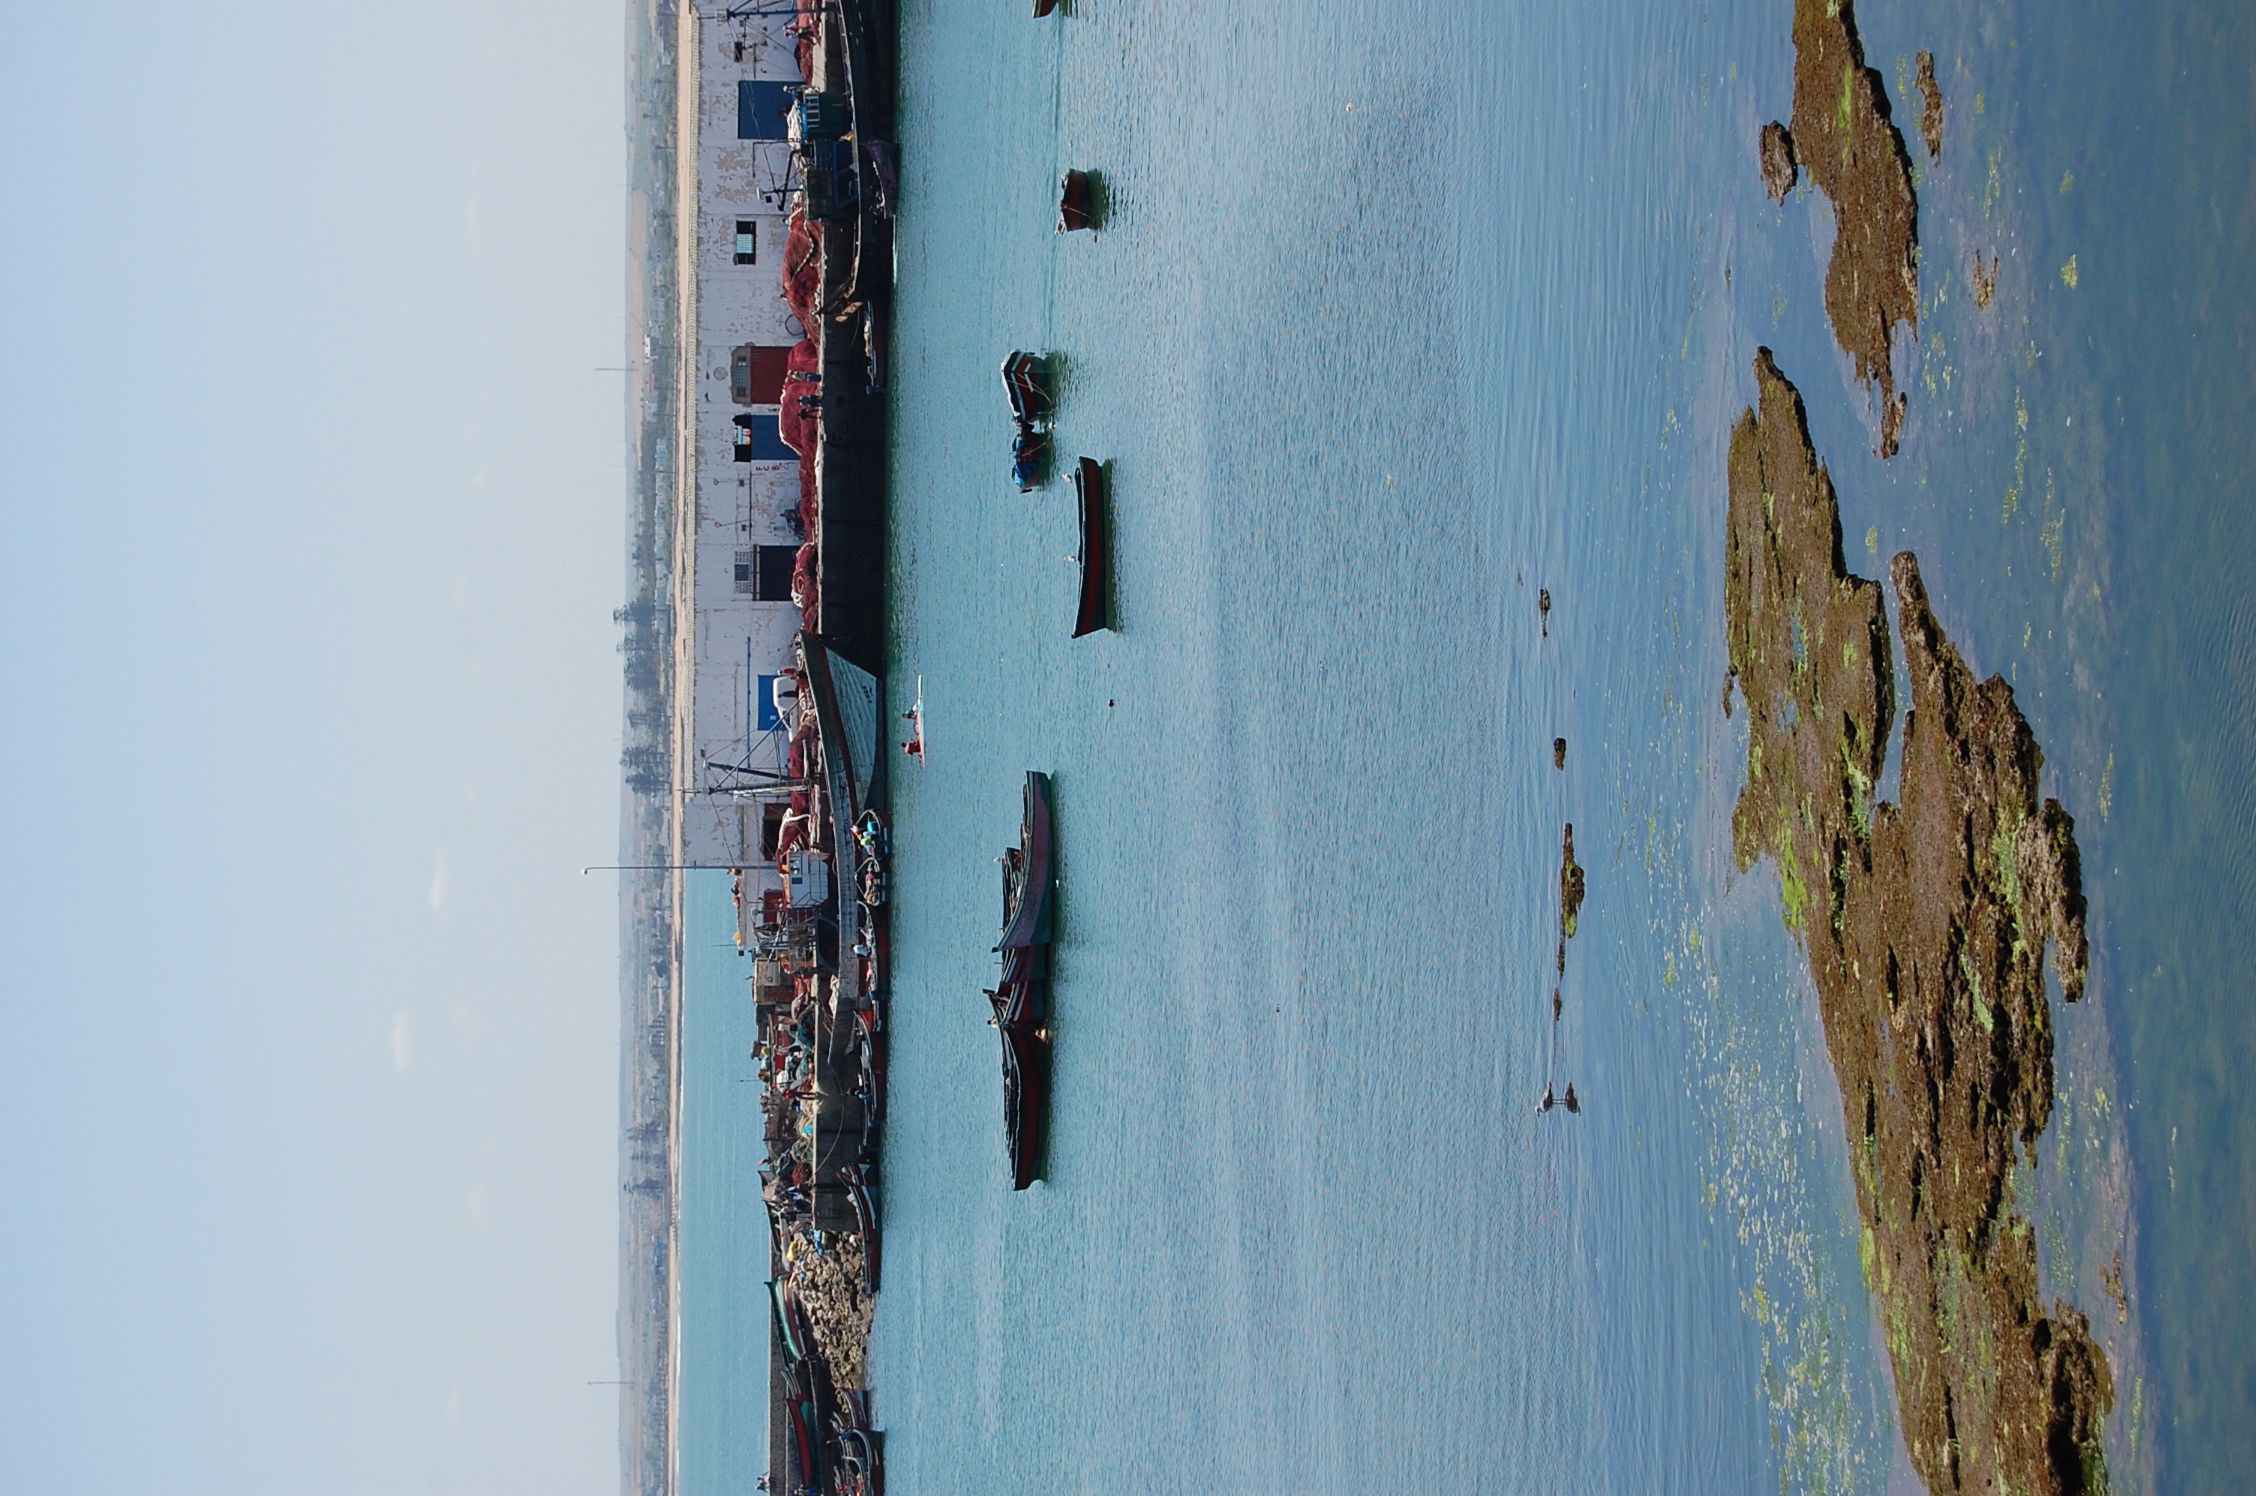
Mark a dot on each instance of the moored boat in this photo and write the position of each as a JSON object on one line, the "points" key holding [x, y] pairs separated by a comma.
{"points": [[1029, 881], [1077, 202], [793, 1331], [865, 1222], [1030, 458], [1026, 381], [1089, 487], [812, 1406], [861, 1460], [799, 1419], [1021, 997], [1021, 1016]]}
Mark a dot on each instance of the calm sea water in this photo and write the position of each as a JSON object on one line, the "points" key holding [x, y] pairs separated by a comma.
{"points": [[1406, 310]]}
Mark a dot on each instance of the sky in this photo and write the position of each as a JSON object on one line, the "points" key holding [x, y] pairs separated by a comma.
{"points": [[312, 483]]}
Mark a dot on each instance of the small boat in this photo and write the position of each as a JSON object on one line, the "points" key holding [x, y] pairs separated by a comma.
{"points": [[871, 845], [1043, 8], [865, 1222], [1021, 1006], [1026, 380], [793, 1331], [799, 1418], [1076, 202], [861, 1460], [914, 716], [870, 1022], [1028, 879], [851, 722], [1021, 998], [1096, 547], [1030, 458], [873, 348], [810, 1403]]}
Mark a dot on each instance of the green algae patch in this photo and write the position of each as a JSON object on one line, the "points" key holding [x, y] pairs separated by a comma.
{"points": [[1844, 137], [1930, 972]]}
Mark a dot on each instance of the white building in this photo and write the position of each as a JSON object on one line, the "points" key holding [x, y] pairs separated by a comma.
{"points": [[746, 482]]}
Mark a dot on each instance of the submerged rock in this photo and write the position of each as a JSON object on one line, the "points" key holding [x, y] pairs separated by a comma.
{"points": [[1930, 107], [1558, 753], [1844, 137], [1570, 886], [1779, 168], [1925, 922]]}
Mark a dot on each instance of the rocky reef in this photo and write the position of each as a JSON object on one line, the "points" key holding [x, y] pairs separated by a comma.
{"points": [[1925, 922], [1845, 139]]}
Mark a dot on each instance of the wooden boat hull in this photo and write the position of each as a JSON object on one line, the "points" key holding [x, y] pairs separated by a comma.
{"points": [[865, 1222], [1030, 458], [1026, 381], [1028, 913], [1026, 1102], [793, 1331], [1077, 196], [799, 1414], [872, 1027], [862, 1456], [1090, 487], [1021, 998], [1021, 1006]]}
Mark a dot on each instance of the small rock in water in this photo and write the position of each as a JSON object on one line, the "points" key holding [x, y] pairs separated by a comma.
{"points": [[1930, 107], [1779, 168], [1570, 885], [1543, 607], [1556, 1005], [1558, 753]]}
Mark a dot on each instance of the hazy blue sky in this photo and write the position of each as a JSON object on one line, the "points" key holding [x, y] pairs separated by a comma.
{"points": [[313, 528]]}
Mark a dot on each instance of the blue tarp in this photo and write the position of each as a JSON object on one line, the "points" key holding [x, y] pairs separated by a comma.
{"points": [[763, 109]]}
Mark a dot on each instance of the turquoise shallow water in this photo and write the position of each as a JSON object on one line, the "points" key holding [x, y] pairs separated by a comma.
{"points": [[1405, 311]]}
